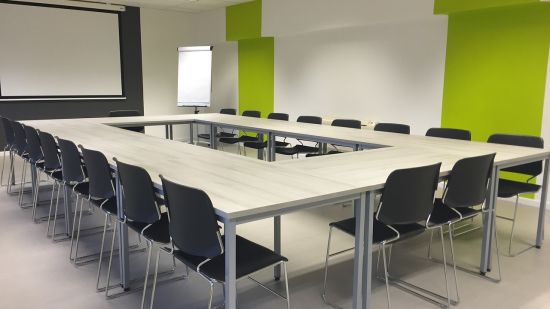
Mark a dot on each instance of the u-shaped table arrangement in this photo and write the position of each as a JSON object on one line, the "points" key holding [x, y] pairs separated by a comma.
{"points": [[243, 189]]}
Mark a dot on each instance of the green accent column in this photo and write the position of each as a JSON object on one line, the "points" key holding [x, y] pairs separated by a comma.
{"points": [[243, 21], [454, 6]]}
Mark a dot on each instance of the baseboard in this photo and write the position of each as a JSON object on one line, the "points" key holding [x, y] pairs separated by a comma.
{"points": [[528, 202]]}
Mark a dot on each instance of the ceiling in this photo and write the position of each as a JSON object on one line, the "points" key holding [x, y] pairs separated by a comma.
{"points": [[179, 5]]}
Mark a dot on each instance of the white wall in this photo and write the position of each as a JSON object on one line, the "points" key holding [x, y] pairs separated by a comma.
{"points": [[390, 72], [162, 32]]}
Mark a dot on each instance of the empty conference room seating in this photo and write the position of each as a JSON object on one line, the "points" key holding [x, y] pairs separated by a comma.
{"points": [[345, 123], [459, 134], [392, 128], [513, 188], [301, 148], [35, 161], [406, 201], [21, 151], [225, 111], [9, 140], [128, 113], [243, 138], [199, 244], [263, 144]]}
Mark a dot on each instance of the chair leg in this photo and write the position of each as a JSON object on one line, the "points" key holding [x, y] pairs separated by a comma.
{"points": [[73, 229], [383, 248], [110, 262], [78, 231], [36, 191], [286, 286], [513, 226], [445, 267], [49, 212], [211, 295], [453, 261], [3, 165], [23, 177], [430, 244], [11, 173], [497, 246], [55, 213], [150, 249], [324, 295], [155, 280], [101, 253]]}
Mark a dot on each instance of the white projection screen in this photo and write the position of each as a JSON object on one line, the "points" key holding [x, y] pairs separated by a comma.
{"points": [[194, 76], [59, 52]]}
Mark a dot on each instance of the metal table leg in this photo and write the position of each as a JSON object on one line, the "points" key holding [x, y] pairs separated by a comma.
{"points": [[542, 208], [277, 244], [363, 236], [171, 131], [213, 139], [167, 131], [485, 263], [191, 134], [230, 230], [260, 151], [271, 144]]}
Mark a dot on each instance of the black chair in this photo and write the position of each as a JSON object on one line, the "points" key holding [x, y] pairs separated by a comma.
{"points": [[101, 195], [345, 123], [36, 162], [459, 134], [20, 149], [301, 148], [128, 113], [511, 188], [258, 145], [225, 111], [465, 190], [392, 128], [199, 244], [142, 213], [407, 199], [9, 140], [244, 138]]}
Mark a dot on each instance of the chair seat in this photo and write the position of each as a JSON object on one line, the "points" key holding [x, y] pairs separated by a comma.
{"points": [[381, 232], [510, 188], [289, 151], [157, 232], [82, 188], [203, 136], [443, 214], [109, 205], [255, 145], [250, 257], [229, 140], [246, 138], [57, 175], [219, 135], [306, 149]]}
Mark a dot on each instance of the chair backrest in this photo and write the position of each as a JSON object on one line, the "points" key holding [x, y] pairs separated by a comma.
{"points": [[71, 164], [99, 174], [138, 194], [468, 182], [228, 111], [9, 137], [460, 134], [532, 169], [193, 225], [20, 138], [255, 114], [392, 128], [347, 123], [408, 195], [278, 116], [128, 113], [310, 119], [33, 144], [49, 148]]}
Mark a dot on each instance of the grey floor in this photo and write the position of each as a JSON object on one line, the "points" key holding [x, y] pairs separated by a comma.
{"points": [[36, 273]]}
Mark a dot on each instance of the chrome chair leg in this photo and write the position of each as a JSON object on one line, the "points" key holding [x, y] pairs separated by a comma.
{"points": [[101, 252], [286, 287], [49, 212], [73, 229], [497, 247], [324, 294], [11, 173], [453, 261], [3, 166], [110, 261], [36, 191], [55, 213], [78, 231], [155, 280], [430, 244], [513, 227], [445, 267], [211, 295], [23, 177], [383, 248], [149, 251]]}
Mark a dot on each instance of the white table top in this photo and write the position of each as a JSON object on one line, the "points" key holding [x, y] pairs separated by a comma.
{"points": [[241, 186]]}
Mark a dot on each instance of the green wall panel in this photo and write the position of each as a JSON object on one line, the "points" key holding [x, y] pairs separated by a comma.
{"points": [[495, 75], [243, 21], [453, 6], [256, 75]]}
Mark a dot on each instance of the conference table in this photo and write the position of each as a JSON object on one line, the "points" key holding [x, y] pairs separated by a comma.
{"points": [[243, 189]]}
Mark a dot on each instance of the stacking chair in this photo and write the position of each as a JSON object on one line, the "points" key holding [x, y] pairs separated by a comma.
{"points": [[225, 111], [345, 123], [21, 151], [245, 138], [466, 189], [9, 139], [511, 188], [128, 113], [459, 134], [36, 162], [142, 212], [199, 244], [407, 199], [392, 128], [261, 145], [301, 148]]}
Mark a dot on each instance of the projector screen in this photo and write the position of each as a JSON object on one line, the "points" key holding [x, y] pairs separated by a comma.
{"points": [[58, 52], [194, 76]]}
